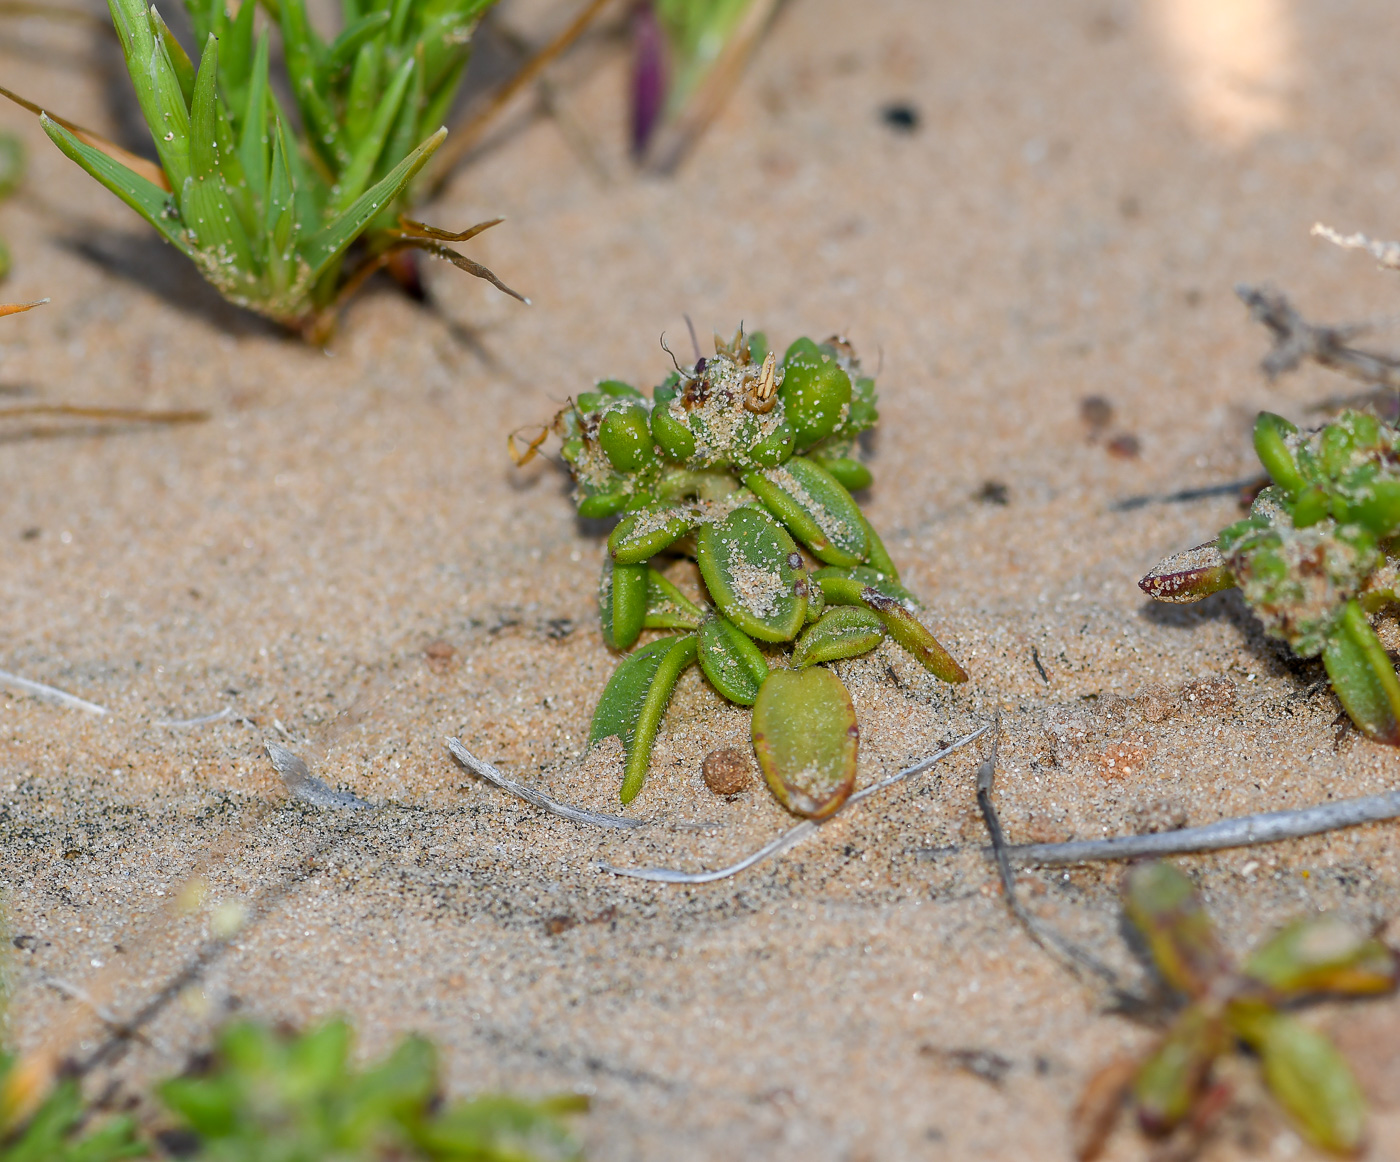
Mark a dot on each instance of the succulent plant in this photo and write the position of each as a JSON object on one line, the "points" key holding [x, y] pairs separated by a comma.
{"points": [[275, 1097], [746, 463], [58, 1129], [1316, 557], [1250, 1004], [268, 213]]}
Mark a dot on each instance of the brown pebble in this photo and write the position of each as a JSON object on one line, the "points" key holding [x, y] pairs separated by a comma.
{"points": [[1096, 411], [1125, 446], [439, 654], [727, 771]]}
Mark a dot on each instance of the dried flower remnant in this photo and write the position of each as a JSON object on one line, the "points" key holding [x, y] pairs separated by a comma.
{"points": [[1225, 1004], [745, 462], [267, 214], [1316, 557]]}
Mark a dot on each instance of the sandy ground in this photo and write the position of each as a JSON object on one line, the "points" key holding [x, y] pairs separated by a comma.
{"points": [[1069, 218]]}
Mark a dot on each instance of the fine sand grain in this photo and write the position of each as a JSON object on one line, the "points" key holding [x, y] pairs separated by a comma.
{"points": [[345, 557]]}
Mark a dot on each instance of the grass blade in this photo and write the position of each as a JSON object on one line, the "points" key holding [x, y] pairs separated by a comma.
{"points": [[145, 197], [362, 164], [331, 242]]}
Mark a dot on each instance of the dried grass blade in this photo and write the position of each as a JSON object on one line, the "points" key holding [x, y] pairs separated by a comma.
{"points": [[201, 720], [663, 875], [19, 308], [138, 165], [538, 798], [51, 694], [462, 262]]}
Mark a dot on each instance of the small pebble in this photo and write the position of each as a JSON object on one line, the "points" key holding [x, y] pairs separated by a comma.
{"points": [[727, 771], [900, 116]]}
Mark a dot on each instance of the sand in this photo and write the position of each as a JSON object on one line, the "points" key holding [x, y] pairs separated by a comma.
{"points": [[345, 556]]}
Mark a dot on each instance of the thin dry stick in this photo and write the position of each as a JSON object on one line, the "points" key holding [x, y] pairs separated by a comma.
{"points": [[115, 415], [147, 169], [461, 140], [664, 875], [1069, 952], [1295, 339], [530, 795], [50, 693], [1245, 831]]}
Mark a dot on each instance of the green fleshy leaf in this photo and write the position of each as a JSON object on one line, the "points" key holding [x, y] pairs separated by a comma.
{"points": [[622, 603], [1270, 436], [754, 573], [208, 211], [814, 506], [844, 631], [806, 739], [1363, 677], [914, 636], [634, 701], [1191, 575], [668, 607], [644, 533], [1311, 1080], [1163, 905], [1173, 1077], [1323, 954], [733, 664]]}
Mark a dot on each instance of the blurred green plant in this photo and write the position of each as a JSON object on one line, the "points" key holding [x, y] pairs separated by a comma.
{"points": [[1317, 555], [274, 1097], [267, 1096], [55, 1131], [11, 174], [1250, 1005], [269, 213], [687, 56], [736, 460]]}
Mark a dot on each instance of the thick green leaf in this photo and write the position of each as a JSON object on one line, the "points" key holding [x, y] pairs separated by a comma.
{"points": [[806, 739], [622, 699], [255, 144], [1190, 575], [1312, 1081], [679, 653], [852, 474], [645, 532], [1172, 1078], [1163, 905], [146, 198], [733, 664], [847, 586], [814, 506], [363, 92], [1363, 677], [844, 631], [912, 634], [878, 557], [1323, 954], [622, 603], [169, 119], [754, 573], [331, 242], [668, 607], [1271, 433]]}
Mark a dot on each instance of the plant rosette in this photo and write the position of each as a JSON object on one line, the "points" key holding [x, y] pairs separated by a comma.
{"points": [[745, 463], [1316, 557]]}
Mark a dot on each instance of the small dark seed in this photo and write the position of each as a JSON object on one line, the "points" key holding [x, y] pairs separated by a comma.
{"points": [[900, 116], [727, 771], [993, 492], [1124, 447]]}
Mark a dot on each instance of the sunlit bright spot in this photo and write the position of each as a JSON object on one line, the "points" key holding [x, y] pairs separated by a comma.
{"points": [[1234, 62]]}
